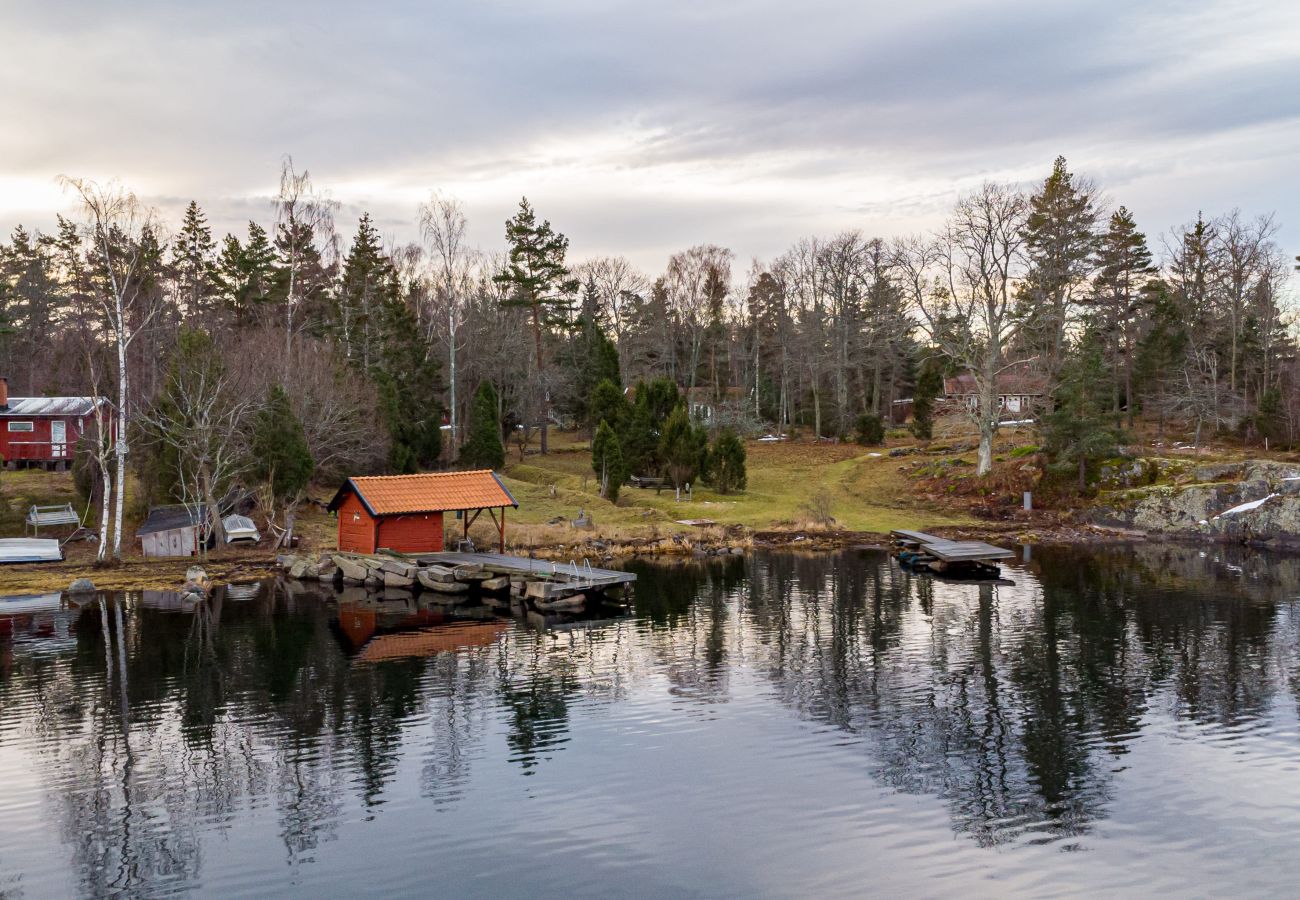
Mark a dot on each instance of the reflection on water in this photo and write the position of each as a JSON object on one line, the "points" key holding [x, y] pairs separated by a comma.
{"points": [[779, 725]]}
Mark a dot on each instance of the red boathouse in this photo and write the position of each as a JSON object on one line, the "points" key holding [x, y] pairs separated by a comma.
{"points": [[403, 513], [44, 430]]}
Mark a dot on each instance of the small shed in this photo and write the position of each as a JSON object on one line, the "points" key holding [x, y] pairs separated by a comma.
{"points": [[404, 512], [172, 530]]}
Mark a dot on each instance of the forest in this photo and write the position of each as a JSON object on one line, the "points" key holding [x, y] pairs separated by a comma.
{"points": [[308, 348]]}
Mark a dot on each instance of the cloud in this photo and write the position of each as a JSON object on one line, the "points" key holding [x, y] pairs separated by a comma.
{"points": [[642, 128]]}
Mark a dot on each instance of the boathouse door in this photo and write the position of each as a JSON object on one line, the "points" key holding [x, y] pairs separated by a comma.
{"points": [[58, 439]]}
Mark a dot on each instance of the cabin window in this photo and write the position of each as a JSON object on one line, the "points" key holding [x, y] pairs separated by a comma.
{"points": [[21, 426]]}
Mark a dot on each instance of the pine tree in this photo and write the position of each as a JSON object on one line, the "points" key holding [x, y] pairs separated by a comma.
{"points": [[727, 462], [536, 277], [247, 274], [929, 385], [278, 446], [483, 448], [1060, 236], [610, 405], [367, 286], [193, 264], [684, 447], [1080, 430], [607, 461], [591, 358], [409, 382], [1124, 271]]}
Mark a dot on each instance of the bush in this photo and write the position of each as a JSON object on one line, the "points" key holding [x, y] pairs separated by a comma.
{"points": [[727, 462], [870, 430], [684, 447], [607, 461]]}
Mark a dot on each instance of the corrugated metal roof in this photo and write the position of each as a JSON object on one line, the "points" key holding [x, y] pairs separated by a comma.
{"points": [[50, 406], [17, 550], [166, 518], [387, 495]]}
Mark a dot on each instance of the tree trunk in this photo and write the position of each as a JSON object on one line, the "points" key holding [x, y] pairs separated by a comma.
{"points": [[119, 443], [546, 392], [1083, 474]]}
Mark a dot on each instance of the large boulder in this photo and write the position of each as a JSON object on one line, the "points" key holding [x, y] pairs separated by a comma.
{"points": [[437, 573], [353, 571], [298, 570], [81, 586], [394, 580], [398, 567]]}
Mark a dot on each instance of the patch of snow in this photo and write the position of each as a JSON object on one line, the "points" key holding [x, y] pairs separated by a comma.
{"points": [[1245, 507], [875, 454], [1018, 422]]}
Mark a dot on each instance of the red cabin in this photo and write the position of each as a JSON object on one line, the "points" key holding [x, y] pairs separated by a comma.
{"points": [[403, 513], [45, 430]]}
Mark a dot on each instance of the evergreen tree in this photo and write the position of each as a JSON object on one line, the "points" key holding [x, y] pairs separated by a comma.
{"points": [[607, 461], [1060, 237], [684, 447], [1079, 430], [408, 378], [593, 359], [1124, 271], [929, 385], [483, 448], [537, 280], [247, 274], [278, 446], [610, 405], [870, 430], [193, 265], [368, 287], [727, 462]]}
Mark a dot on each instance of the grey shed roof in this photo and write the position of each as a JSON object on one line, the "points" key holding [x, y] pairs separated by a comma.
{"points": [[50, 406], [166, 518]]}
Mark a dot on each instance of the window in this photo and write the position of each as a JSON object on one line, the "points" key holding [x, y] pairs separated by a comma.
{"points": [[21, 426]]}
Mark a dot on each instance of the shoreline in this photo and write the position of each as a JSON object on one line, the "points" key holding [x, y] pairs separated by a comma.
{"points": [[137, 573]]}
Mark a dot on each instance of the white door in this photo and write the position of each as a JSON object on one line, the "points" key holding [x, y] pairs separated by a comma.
{"points": [[58, 439]]}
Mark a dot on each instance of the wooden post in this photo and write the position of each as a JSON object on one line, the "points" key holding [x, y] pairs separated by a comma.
{"points": [[502, 528]]}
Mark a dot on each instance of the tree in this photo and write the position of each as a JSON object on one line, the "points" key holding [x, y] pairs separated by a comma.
{"points": [[607, 461], [280, 458], [727, 462], [302, 216], [538, 281], [193, 266], [247, 274], [592, 360], [367, 287], [1124, 271], [483, 448], [683, 446], [119, 229], [443, 224], [1060, 237], [929, 385], [200, 419], [409, 383], [961, 284], [609, 404], [1079, 429]]}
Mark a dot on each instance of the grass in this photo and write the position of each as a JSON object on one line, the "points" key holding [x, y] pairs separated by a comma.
{"points": [[867, 490]]}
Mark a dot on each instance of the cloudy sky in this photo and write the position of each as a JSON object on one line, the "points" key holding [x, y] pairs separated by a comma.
{"points": [[642, 128]]}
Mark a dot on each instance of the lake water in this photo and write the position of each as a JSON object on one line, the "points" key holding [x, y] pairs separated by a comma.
{"points": [[1120, 722]]}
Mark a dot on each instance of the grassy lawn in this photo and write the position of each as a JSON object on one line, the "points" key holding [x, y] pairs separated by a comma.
{"points": [[864, 488]]}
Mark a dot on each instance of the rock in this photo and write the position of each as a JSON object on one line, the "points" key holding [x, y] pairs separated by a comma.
{"points": [[353, 571], [518, 586], [81, 586], [394, 580], [536, 590], [398, 567], [434, 575], [298, 570], [326, 570], [286, 561], [373, 580], [373, 564], [494, 585], [562, 604], [737, 551], [447, 587]]}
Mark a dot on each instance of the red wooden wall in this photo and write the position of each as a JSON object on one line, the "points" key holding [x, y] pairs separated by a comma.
{"points": [[414, 533], [356, 527]]}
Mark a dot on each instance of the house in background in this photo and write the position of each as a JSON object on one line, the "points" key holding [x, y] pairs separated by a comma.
{"points": [[403, 513], [711, 407], [1020, 392], [44, 431]]}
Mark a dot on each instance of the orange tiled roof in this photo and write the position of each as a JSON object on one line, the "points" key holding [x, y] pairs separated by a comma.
{"points": [[387, 495]]}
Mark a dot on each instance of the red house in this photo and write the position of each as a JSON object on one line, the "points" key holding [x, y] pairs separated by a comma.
{"points": [[44, 430], [404, 512]]}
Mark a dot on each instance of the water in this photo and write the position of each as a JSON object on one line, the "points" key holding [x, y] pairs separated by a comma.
{"points": [[1120, 722]]}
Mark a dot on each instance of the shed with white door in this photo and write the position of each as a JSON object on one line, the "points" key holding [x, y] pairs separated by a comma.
{"points": [[176, 530]]}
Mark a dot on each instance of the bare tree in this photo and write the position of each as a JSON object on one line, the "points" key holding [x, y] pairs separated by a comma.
{"points": [[443, 223], [303, 216], [116, 224], [689, 282], [962, 283], [618, 285]]}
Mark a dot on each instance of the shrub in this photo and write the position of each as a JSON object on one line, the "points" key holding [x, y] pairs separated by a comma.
{"points": [[870, 430], [727, 462], [483, 449], [607, 461]]}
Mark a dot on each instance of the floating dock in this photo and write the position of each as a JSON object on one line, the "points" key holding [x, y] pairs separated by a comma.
{"points": [[547, 580], [919, 550]]}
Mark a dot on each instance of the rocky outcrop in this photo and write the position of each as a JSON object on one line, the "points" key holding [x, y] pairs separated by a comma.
{"points": [[1255, 500]]}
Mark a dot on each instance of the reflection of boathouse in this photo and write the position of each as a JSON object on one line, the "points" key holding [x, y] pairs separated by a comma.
{"points": [[382, 631]]}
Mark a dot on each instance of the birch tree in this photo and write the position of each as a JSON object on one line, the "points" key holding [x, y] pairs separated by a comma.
{"points": [[302, 217], [443, 223], [116, 224]]}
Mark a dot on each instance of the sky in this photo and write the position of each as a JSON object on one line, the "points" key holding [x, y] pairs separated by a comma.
{"points": [[640, 129]]}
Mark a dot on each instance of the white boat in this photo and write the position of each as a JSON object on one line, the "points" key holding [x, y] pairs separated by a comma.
{"points": [[240, 529], [29, 550], [25, 604]]}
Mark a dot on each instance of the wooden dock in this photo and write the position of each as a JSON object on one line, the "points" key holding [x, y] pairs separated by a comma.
{"points": [[546, 578], [926, 551]]}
